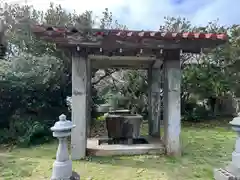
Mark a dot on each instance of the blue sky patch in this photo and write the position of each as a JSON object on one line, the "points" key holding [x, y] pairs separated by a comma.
{"points": [[149, 14]]}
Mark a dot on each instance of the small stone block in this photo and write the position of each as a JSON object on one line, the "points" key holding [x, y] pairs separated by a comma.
{"points": [[75, 176], [221, 174]]}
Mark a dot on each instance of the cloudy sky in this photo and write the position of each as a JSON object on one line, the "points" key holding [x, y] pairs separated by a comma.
{"points": [[148, 14]]}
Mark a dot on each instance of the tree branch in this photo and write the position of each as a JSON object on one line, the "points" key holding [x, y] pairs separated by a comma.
{"points": [[107, 73]]}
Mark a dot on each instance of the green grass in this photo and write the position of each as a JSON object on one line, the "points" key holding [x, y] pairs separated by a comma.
{"points": [[205, 146]]}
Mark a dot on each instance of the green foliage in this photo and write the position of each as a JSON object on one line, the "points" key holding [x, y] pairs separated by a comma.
{"points": [[3, 50], [34, 80], [101, 118], [129, 92], [32, 89], [194, 112]]}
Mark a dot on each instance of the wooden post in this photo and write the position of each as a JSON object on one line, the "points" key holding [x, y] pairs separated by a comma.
{"points": [[149, 76], [89, 97], [154, 80], [172, 102], [79, 106]]}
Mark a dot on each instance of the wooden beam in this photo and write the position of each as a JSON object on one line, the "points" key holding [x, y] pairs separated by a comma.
{"points": [[121, 58], [132, 62]]}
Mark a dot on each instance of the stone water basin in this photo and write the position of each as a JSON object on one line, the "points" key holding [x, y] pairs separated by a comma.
{"points": [[122, 125]]}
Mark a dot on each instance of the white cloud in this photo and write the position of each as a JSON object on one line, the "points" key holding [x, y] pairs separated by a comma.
{"points": [[227, 11], [148, 14]]}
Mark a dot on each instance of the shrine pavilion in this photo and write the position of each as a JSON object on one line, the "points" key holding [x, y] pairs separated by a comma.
{"points": [[154, 51]]}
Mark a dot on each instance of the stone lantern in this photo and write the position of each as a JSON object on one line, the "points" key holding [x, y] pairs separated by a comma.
{"points": [[62, 167], [232, 171]]}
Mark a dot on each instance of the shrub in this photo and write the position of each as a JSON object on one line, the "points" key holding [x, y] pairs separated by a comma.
{"points": [[25, 131]]}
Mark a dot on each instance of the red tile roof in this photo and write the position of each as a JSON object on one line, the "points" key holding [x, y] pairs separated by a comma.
{"points": [[110, 39], [55, 31]]}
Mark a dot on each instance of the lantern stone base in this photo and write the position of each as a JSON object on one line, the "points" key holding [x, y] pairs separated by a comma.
{"points": [[75, 176], [62, 170], [231, 172], [236, 160]]}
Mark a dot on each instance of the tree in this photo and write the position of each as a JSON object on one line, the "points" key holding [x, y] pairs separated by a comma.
{"points": [[35, 75]]}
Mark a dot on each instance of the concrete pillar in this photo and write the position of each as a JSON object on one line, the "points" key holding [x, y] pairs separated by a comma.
{"points": [[62, 167], [154, 83], [79, 106], [172, 102]]}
